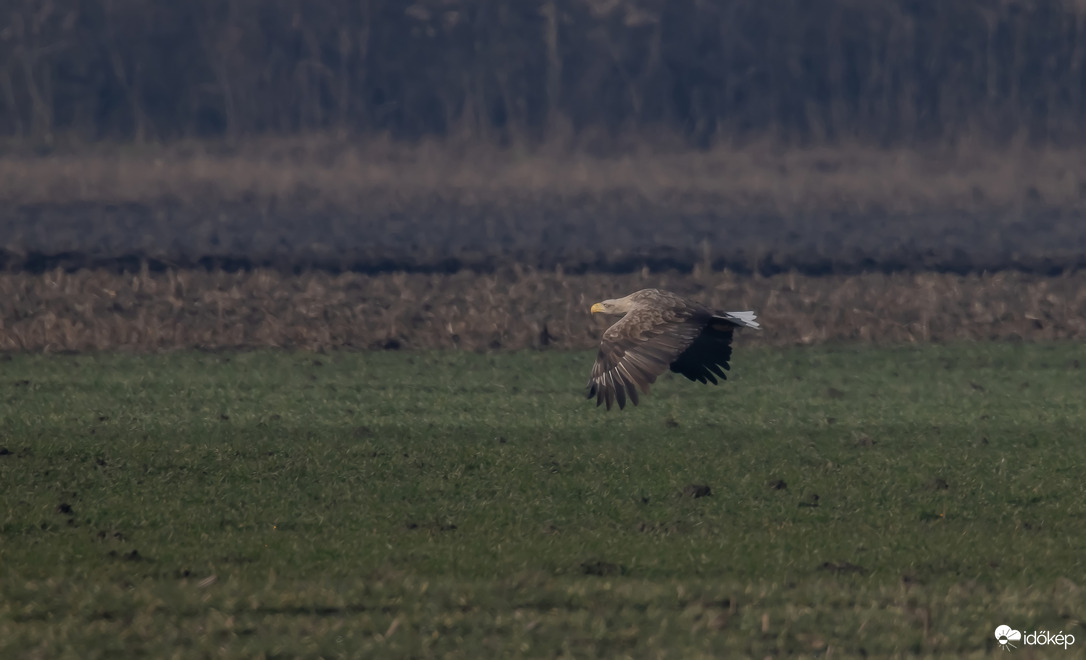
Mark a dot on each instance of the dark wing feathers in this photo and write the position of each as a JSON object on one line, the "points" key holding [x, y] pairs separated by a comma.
{"points": [[707, 357]]}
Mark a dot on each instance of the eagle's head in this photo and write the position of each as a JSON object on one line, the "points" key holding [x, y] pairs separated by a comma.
{"points": [[612, 306]]}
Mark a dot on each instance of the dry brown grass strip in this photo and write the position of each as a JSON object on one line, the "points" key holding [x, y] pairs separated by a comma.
{"points": [[96, 310]]}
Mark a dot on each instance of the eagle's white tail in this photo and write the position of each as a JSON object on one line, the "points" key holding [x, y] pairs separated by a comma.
{"points": [[744, 319]]}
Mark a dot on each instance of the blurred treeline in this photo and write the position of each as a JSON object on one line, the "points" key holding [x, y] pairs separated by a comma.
{"points": [[531, 71]]}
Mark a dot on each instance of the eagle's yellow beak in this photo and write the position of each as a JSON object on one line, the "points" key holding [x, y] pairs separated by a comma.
{"points": [[596, 308]]}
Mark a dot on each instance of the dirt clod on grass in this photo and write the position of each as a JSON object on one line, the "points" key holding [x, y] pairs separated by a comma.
{"points": [[842, 567], [697, 490], [602, 568]]}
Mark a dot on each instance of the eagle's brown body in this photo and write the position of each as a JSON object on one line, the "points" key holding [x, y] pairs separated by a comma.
{"points": [[660, 330]]}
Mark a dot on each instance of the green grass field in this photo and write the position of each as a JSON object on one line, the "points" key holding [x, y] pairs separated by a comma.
{"points": [[878, 501]]}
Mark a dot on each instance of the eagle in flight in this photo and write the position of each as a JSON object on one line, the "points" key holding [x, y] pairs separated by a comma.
{"points": [[660, 330]]}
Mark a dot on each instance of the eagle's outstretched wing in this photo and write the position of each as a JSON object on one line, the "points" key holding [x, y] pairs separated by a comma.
{"points": [[636, 350]]}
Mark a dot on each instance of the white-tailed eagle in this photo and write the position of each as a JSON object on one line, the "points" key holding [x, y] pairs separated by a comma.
{"points": [[660, 330]]}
